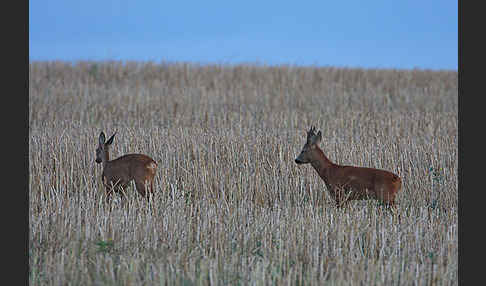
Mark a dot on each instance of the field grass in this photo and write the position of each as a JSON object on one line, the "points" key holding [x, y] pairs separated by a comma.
{"points": [[231, 206]]}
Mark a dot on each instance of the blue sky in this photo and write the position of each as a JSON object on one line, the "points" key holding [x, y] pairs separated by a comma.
{"points": [[368, 34]]}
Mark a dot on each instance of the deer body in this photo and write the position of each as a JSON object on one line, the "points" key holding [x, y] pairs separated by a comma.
{"points": [[346, 183], [119, 172]]}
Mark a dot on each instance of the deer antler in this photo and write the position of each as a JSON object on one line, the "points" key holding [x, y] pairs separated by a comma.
{"points": [[310, 133], [312, 130]]}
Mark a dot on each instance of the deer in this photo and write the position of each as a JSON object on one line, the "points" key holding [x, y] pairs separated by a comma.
{"points": [[119, 172], [347, 183]]}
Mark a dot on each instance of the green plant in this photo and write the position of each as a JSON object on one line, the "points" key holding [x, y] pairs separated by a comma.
{"points": [[105, 246]]}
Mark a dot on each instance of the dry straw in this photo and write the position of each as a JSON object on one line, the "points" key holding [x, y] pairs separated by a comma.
{"points": [[231, 206]]}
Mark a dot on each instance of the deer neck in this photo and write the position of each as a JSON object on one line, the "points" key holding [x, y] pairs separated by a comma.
{"points": [[105, 158], [322, 164]]}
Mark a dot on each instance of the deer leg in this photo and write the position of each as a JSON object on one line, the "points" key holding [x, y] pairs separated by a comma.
{"points": [[151, 189], [141, 189], [109, 191], [339, 201], [339, 197], [145, 189], [152, 186], [392, 206], [123, 194], [339, 204]]}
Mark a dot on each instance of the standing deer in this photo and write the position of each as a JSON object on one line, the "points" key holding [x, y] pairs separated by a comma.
{"points": [[119, 172], [346, 183]]}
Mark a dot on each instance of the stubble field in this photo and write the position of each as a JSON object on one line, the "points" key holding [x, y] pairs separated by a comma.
{"points": [[231, 206]]}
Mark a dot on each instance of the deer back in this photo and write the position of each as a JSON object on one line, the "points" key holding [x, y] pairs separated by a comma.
{"points": [[130, 167]]}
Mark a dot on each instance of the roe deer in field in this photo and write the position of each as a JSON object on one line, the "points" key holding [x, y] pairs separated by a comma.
{"points": [[346, 183], [119, 172]]}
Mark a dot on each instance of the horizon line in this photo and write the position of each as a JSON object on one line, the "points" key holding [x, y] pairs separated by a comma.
{"points": [[233, 64]]}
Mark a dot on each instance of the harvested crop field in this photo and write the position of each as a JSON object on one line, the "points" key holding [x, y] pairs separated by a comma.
{"points": [[230, 204]]}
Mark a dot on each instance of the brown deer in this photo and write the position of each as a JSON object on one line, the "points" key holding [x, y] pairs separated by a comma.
{"points": [[119, 172], [346, 183]]}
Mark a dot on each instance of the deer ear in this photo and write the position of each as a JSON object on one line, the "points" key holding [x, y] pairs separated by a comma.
{"points": [[111, 139], [319, 136], [102, 138]]}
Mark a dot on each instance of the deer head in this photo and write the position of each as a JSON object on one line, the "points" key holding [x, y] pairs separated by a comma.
{"points": [[307, 153], [102, 150]]}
